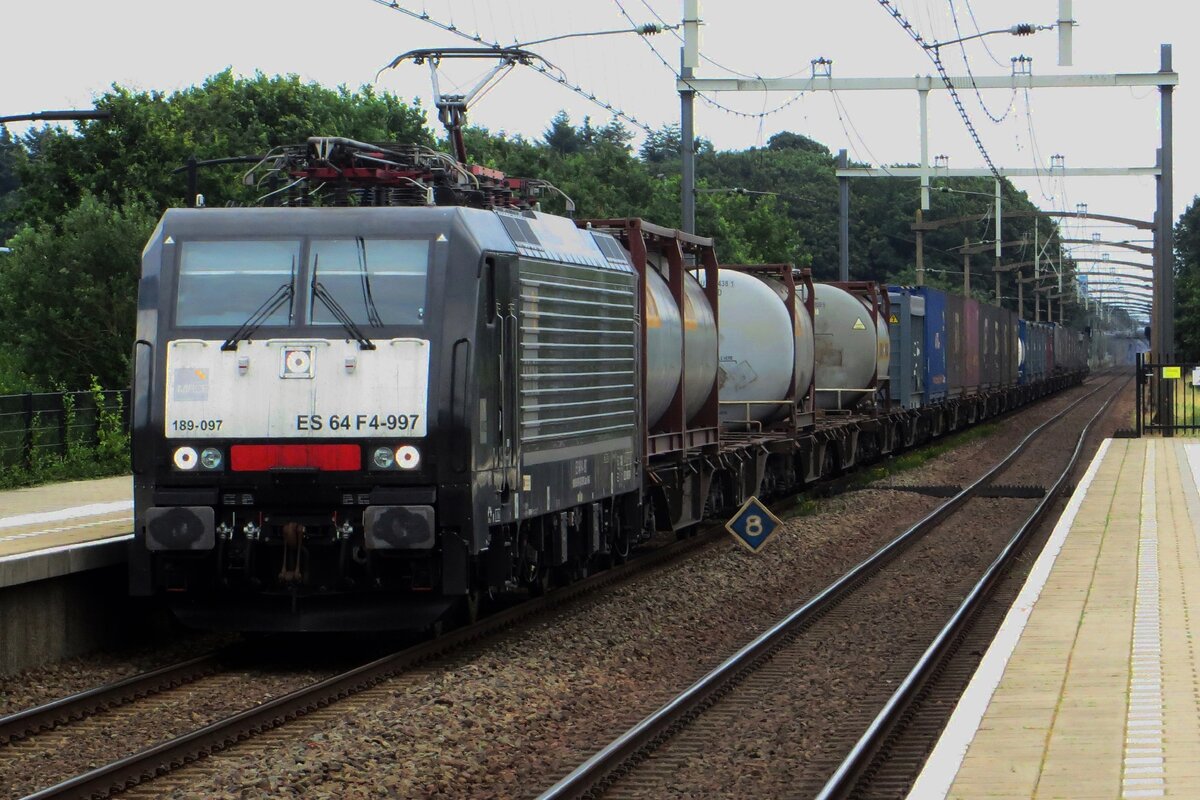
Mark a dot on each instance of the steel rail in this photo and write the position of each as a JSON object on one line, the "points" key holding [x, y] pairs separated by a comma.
{"points": [[596, 771], [162, 758], [848, 774], [47, 716]]}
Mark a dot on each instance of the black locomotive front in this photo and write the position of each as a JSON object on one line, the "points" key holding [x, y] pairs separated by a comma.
{"points": [[328, 422], [294, 415]]}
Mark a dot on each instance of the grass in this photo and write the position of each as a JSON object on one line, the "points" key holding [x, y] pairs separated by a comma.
{"points": [[922, 455], [85, 454], [806, 506], [1186, 403]]}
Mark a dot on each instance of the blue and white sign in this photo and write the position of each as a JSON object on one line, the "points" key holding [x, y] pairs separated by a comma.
{"points": [[753, 525]]}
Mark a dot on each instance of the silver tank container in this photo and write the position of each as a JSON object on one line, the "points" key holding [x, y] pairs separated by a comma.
{"points": [[666, 332], [803, 336], [883, 355], [757, 349], [699, 344], [848, 348]]}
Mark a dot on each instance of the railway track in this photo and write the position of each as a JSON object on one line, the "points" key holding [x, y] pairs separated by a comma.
{"points": [[273, 712], [23, 729], [783, 708]]}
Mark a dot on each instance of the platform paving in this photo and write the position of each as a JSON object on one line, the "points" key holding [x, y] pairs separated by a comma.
{"points": [[64, 528], [64, 514], [1091, 688]]}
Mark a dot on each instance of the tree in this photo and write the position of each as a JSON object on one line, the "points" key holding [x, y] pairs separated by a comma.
{"points": [[11, 155], [133, 154], [68, 294], [786, 140], [661, 146], [561, 137], [1187, 283]]}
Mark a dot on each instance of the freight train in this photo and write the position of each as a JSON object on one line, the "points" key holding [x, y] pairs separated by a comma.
{"points": [[423, 392]]}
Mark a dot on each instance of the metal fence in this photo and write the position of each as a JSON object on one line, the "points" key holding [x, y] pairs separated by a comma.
{"points": [[34, 425], [1168, 397]]}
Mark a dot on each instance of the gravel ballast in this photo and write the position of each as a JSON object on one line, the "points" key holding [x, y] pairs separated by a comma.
{"points": [[507, 720]]}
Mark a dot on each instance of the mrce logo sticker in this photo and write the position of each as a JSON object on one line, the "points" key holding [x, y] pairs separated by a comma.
{"points": [[296, 362]]}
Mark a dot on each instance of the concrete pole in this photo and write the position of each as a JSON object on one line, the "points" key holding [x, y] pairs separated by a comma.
{"points": [[999, 240], [689, 57], [843, 219], [1166, 240], [1037, 274], [1066, 25], [1020, 297], [687, 146], [966, 266], [923, 94], [920, 252]]}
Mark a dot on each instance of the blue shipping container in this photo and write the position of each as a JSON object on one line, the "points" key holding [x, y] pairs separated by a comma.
{"points": [[937, 383]]}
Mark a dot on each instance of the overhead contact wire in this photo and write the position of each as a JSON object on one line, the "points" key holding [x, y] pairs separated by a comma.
{"points": [[560, 79], [935, 57]]}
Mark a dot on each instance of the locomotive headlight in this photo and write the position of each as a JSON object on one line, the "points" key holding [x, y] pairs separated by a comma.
{"points": [[383, 458], [211, 458], [185, 458], [408, 457]]}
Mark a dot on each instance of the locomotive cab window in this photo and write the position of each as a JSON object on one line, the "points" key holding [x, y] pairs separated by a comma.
{"points": [[376, 281], [224, 283]]}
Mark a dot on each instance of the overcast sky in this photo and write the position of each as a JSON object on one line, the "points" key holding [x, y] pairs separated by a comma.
{"points": [[61, 55]]}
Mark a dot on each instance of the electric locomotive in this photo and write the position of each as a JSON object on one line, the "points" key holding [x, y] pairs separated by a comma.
{"points": [[346, 418]]}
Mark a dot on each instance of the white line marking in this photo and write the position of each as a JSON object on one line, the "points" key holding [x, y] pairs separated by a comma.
{"points": [[16, 537], [92, 510]]}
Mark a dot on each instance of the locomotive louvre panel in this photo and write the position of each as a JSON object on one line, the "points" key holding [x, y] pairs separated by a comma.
{"points": [[578, 353]]}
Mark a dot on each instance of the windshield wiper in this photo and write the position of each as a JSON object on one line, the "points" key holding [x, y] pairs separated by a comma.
{"points": [[368, 298], [339, 313], [283, 294]]}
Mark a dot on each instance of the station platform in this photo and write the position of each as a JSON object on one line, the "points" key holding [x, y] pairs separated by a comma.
{"points": [[62, 528], [1091, 688]]}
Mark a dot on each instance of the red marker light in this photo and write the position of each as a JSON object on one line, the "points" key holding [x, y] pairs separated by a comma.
{"points": [[325, 457]]}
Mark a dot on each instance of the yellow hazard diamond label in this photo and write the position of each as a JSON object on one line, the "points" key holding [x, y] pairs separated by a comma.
{"points": [[858, 325]]}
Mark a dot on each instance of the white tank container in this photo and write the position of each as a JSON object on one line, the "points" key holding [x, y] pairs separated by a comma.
{"points": [[665, 335], [757, 349], [803, 336], [848, 346]]}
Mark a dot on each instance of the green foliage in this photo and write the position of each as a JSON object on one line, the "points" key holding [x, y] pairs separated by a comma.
{"points": [[68, 294], [922, 455], [561, 137], [81, 202], [1187, 283], [11, 156], [133, 155], [87, 452]]}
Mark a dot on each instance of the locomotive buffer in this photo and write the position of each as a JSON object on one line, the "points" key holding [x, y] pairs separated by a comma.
{"points": [[753, 525]]}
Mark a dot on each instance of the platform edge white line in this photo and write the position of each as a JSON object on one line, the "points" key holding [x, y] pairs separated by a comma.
{"points": [[943, 764]]}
